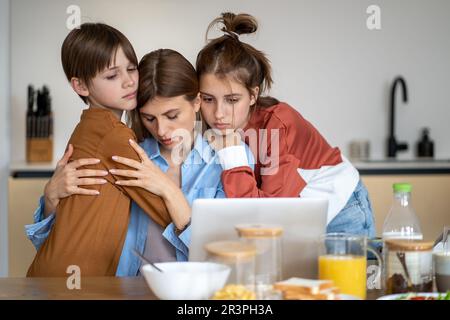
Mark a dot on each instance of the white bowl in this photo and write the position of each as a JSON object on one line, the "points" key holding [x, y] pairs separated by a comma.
{"points": [[186, 280]]}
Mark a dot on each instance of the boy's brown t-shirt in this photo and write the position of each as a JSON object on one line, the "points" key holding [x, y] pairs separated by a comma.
{"points": [[89, 231]]}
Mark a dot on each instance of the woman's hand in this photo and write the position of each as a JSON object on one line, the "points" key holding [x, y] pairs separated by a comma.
{"points": [[147, 175], [218, 140], [66, 180]]}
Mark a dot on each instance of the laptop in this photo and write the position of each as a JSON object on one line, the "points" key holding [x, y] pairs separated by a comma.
{"points": [[303, 221]]}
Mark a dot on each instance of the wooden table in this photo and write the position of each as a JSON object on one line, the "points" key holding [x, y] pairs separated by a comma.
{"points": [[104, 288], [99, 288]]}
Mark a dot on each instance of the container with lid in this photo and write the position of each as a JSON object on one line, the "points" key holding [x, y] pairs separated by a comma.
{"points": [[408, 266], [239, 256], [267, 240]]}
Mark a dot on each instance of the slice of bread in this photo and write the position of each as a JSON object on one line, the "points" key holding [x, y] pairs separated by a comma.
{"points": [[305, 286], [289, 295], [327, 294]]}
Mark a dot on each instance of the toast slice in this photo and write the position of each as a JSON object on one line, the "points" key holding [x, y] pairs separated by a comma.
{"points": [[327, 294], [304, 286]]}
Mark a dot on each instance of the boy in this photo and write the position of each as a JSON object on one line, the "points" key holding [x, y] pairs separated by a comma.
{"points": [[89, 232]]}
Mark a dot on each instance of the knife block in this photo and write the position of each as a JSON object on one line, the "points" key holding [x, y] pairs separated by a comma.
{"points": [[39, 150]]}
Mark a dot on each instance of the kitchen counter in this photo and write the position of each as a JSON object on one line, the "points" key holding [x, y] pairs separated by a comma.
{"points": [[370, 167], [394, 167], [23, 169]]}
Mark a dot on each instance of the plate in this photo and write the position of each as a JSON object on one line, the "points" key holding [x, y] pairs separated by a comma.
{"points": [[343, 296], [399, 296]]}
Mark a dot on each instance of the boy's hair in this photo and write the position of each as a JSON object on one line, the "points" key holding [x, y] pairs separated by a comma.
{"points": [[92, 48], [162, 73], [227, 55]]}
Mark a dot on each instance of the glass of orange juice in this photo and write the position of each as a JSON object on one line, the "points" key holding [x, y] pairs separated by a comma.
{"points": [[343, 259]]}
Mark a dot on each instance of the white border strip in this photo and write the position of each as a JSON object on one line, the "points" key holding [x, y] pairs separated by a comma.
{"points": [[5, 116]]}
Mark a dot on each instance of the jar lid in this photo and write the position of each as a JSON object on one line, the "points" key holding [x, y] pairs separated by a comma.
{"points": [[409, 245], [231, 249], [254, 230]]}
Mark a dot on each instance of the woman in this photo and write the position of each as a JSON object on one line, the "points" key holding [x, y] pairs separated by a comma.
{"points": [[177, 164]]}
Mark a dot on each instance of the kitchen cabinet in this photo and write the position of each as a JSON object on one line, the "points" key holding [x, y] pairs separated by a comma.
{"points": [[430, 199], [24, 196]]}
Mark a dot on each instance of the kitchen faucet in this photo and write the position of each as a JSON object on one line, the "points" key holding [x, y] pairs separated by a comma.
{"points": [[393, 146]]}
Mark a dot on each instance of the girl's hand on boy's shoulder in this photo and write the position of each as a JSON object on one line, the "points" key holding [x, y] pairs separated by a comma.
{"points": [[146, 174], [218, 141]]}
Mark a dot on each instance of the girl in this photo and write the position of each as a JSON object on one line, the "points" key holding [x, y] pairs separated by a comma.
{"points": [[168, 102], [293, 159]]}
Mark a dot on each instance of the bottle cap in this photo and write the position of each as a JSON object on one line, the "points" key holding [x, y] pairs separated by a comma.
{"points": [[402, 187], [254, 230]]}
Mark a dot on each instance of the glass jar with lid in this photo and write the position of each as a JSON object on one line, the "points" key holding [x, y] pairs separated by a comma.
{"points": [[267, 240], [408, 266], [240, 257]]}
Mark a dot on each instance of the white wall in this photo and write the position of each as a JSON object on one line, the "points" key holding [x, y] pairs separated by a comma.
{"points": [[4, 133], [326, 62]]}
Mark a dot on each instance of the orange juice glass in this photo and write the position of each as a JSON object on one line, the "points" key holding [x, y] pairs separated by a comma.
{"points": [[342, 258]]}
